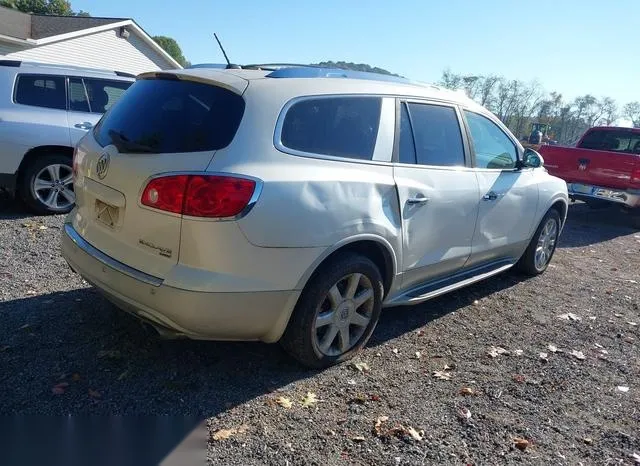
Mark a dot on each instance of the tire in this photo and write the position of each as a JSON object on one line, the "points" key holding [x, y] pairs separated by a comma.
{"points": [[527, 263], [34, 192], [321, 313]]}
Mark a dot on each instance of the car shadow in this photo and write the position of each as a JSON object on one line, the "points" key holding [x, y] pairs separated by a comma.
{"points": [[586, 226], [12, 208]]}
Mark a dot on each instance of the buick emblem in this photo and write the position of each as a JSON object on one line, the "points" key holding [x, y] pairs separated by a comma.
{"points": [[102, 167]]}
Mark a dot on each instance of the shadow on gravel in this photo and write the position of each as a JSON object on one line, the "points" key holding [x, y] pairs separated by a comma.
{"points": [[113, 365], [11, 208], [586, 226]]}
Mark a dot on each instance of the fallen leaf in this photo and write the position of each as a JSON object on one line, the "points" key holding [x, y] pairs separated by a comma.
{"points": [[447, 367], [467, 391], [358, 438], [414, 434], [578, 354], [633, 324], [617, 315], [597, 345], [569, 316], [44, 227], [519, 378], [464, 413], [553, 348], [544, 357], [588, 440], [359, 399], [309, 400], [395, 350], [378, 425], [418, 354], [361, 366], [75, 377], [518, 352], [284, 402], [636, 458], [521, 444], [622, 389], [60, 388], [94, 394], [495, 351], [442, 375], [224, 434]]}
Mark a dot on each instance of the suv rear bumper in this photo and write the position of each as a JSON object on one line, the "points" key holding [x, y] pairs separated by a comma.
{"points": [[629, 198], [193, 314]]}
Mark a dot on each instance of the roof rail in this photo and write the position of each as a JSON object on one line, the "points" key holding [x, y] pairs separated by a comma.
{"points": [[319, 72], [19, 63], [14, 63]]}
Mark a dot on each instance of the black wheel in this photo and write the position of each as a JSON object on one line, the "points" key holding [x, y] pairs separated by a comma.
{"points": [[536, 258], [336, 313], [47, 185]]}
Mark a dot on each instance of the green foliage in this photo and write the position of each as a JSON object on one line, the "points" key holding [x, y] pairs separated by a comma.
{"points": [[43, 7], [354, 67], [172, 48]]}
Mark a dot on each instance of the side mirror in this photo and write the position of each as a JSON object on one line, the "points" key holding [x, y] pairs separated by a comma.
{"points": [[531, 159]]}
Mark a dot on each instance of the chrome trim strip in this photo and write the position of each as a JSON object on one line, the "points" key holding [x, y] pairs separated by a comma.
{"points": [[109, 261], [404, 299]]}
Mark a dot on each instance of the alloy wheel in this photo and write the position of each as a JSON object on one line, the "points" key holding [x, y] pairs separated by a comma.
{"points": [[53, 187]]}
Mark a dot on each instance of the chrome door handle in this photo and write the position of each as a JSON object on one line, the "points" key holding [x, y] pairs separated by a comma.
{"points": [[85, 125], [417, 200], [491, 196]]}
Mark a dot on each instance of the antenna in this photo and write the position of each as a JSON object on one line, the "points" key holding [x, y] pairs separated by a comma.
{"points": [[229, 65]]}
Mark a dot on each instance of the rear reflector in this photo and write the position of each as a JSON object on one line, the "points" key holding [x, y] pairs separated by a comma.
{"points": [[211, 196]]}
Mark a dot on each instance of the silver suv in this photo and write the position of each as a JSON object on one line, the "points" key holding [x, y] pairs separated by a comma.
{"points": [[294, 204], [44, 111]]}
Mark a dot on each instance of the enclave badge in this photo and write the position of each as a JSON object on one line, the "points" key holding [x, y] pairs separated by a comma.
{"points": [[102, 167]]}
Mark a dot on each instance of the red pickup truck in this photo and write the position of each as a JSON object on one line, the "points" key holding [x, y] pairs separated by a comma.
{"points": [[603, 167]]}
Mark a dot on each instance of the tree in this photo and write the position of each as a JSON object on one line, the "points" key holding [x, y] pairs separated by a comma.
{"points": [[632, 111], [43, 7], [172, 48], [609, 110]]}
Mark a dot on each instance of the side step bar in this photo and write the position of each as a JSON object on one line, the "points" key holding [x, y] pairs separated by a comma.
{"points": [[445, 285]]}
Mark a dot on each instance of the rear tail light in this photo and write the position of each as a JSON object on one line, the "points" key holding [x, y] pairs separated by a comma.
{"points": [[635, 176], [211, 196]]}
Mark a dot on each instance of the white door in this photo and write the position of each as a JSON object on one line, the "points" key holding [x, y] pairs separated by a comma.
{"points": [[89, 98], [438, 194], [508, 195]]}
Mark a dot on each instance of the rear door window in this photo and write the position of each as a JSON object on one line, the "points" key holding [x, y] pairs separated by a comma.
{"points": [[94, 95], [336, 126], [437, 139], [41, 91], [171, 115]]}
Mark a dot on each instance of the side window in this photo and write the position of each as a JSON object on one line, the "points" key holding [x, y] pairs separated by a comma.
{"points": [[438, 140], [104, 93], [336, 126], [77, 96], [41, 91], [407, 147], [612, 140], [492, 146]]}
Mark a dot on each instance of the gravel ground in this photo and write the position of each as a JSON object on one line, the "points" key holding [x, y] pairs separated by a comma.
{"points": [[64, 349]]}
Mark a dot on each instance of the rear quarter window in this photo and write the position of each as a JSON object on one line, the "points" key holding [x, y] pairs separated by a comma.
{"points": [[41, 91], [335, 126], [170, 116]]}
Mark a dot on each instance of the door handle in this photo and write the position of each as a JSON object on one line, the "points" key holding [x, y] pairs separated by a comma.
{"points": [[418, 200], [491, 196], [85, 125]]}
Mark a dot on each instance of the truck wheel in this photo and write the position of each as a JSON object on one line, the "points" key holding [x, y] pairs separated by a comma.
{"points": [[336, 313], [46, 186], [536, 258]]}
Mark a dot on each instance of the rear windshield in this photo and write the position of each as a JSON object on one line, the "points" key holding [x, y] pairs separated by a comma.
{"points": [[612, 140], [169, 115]]}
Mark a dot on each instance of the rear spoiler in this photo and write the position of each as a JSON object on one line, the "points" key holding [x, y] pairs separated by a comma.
{"points": [[219, 78]]}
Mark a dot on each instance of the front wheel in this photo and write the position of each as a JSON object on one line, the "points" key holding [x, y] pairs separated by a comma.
{"points": [[536, 258], [337, 312]]}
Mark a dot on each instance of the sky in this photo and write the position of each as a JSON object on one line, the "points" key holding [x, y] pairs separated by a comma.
{"points": [[573, 47]]}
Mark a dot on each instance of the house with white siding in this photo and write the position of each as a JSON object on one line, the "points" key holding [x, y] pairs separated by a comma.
{"points": [[118, 44]]}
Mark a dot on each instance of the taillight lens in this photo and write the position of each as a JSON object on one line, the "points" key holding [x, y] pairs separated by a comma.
{"points": [[211, 196]]}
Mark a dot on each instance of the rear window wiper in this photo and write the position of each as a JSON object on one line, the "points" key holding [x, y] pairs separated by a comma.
{"points": [[125, 145]]}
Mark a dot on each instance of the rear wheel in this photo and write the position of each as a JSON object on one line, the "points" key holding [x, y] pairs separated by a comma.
{"points": [[47, 185], [337, 312], [536, 258]]}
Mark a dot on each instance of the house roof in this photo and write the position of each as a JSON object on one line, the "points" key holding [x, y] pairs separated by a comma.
{"points": [[14, 23], [33, 30]]}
